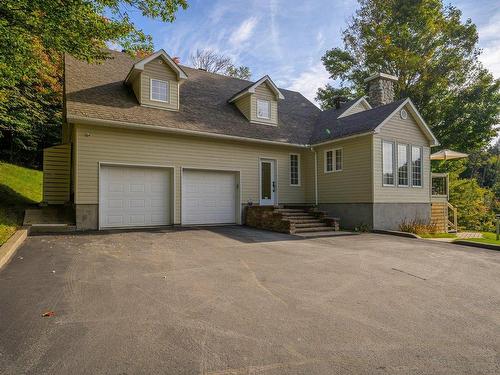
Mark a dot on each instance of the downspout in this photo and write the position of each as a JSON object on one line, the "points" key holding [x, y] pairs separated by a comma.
{"points": [[315, 176]]}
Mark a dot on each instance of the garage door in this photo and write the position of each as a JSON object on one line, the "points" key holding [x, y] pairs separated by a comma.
{"points": [[134, 196], [208, 197]]}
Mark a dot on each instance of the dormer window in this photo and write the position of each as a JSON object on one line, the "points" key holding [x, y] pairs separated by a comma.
{"points": [[159, 90], [263, 109]]}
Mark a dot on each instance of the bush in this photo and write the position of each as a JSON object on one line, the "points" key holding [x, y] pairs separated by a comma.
{"points": [[417, 226]]}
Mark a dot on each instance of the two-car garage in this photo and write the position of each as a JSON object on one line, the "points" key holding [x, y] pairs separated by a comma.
{"points": [[145, 196]]}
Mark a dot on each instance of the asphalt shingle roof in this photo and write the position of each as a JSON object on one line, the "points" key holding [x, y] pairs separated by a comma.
{"points": [[98, 91]]}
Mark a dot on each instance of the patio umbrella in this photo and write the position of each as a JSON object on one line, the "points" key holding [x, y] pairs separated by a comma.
{"points": [[448, 155]]}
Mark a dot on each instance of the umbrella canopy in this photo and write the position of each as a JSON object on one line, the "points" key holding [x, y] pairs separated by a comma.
{"points": [[448, 155]]}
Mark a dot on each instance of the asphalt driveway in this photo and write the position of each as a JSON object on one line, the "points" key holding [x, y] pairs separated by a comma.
{"points": [[235, 300]]}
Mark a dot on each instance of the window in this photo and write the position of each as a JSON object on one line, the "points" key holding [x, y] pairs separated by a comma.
{"points": [[263, 109], [402, 165], [416, 166], [159, 90], [294, 169], [388, 163], [338, 159], [334, 160]]}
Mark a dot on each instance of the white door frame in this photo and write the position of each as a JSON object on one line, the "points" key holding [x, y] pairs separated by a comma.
{"points": [[274, 179], [237, 173], [117, 164]]}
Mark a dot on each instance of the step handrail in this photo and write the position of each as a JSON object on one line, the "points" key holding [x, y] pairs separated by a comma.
{"points": [[455, 221]]}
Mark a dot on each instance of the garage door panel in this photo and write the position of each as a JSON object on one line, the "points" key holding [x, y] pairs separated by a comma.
{"points": [[208, 197], [134, 196]]}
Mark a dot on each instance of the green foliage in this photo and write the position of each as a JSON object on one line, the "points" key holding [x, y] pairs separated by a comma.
{"points": [[435, 56], [34, 36], [474, 203], [326, 96], [241, 72]]}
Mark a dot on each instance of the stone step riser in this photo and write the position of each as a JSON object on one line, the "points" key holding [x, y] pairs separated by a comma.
{"points": [[311, 225], [314, 229]]}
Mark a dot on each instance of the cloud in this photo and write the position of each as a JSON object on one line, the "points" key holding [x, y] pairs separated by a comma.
{"points": [[489, 38], [244, 31], [308, 82]]}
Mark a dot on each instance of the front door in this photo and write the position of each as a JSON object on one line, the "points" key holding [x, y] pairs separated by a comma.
{"points": [[267, 182]]}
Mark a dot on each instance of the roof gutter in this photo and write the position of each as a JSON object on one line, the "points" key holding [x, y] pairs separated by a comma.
{"points": [[343, 138], [137, 126]]}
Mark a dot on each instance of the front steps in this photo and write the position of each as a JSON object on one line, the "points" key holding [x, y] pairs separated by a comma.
{"points": [[300, 221]]}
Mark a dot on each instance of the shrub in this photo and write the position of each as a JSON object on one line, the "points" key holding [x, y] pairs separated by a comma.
{"points": [[417, 226]]}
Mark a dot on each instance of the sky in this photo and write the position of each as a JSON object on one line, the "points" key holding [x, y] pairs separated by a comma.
{"points": [[287, 38]]}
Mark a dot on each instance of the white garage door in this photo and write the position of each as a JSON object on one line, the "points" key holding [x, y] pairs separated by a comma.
{"points": [[134, 196], [208, 197]]}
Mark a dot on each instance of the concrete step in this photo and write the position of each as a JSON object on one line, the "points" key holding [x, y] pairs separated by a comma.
{"points": [[305, 220], [314, 224], [51, 228], [295, 213], [315, 229], [281, 210]]}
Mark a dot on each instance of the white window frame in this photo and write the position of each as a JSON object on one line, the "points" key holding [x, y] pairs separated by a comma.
{"points": [[325, 158], [290, 169], [266, 102], [167, 86], [421, 167], [394, 164], [341, 149], [408, 164]]}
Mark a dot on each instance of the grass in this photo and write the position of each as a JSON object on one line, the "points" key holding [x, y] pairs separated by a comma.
{"points": [[19, 188], [489, 238]]}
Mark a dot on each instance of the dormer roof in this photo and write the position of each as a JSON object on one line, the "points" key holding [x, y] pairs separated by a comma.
{"points": [[251, 89], [139, 65]]}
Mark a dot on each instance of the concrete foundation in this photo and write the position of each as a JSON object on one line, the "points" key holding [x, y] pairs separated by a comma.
{"points": [[87, 216], [351, 215], [387, 216]]}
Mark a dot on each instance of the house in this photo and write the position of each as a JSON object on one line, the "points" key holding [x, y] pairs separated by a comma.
{"points": [[152, 142]]}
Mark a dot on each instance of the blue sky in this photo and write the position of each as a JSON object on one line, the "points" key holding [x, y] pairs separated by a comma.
{"points": [[286, 38]]}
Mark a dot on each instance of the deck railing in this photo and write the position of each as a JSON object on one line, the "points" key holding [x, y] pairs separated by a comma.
{"points": [[445, 213]]}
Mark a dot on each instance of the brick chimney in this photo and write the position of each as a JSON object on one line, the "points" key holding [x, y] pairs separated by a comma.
{"points": [[380, 89], [176, 60]]}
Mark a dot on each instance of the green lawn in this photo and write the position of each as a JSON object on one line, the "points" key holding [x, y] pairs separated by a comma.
{"points": [[489, 238], [438, 235], [19, 188]]}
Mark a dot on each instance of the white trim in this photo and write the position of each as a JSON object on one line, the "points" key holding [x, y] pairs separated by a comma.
{"points": [[118, 164], [160, 53], [268, 103], [408, 147], [261, 158], [325, 160], [394, 164], [362, 101], [238, 195], [290, 169], [167, 88], [335, 159], [137, 126], [251, 89], [419, 120], [315, 176], [421, 186]]}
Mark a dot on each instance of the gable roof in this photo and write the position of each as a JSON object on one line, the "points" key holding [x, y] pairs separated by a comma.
{"points": [[97, 92], [251, 89], [139, 65], [360, 101]]}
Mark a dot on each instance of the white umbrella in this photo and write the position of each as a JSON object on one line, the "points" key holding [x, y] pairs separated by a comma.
{"points": [[448, 155]]}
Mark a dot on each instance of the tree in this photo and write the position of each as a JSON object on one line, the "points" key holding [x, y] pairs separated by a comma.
{"points": [[435, 56], [34, 35], [214, 62]]}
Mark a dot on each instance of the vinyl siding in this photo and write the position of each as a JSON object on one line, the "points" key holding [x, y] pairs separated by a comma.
{"points": [[136, 87], [244, 104], [56, 174], [265, 93], [161, 71], [405, 132], [138, 147], [354, 183], [360, 107]]}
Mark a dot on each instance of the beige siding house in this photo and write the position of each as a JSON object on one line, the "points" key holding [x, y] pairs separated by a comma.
{"points": [[156, 143]]}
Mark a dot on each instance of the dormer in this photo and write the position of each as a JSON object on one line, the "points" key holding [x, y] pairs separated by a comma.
{"points": [[155, 81], [259, 102]]}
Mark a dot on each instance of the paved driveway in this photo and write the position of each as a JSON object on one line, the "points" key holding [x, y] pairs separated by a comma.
{"points": [[240, 301]]}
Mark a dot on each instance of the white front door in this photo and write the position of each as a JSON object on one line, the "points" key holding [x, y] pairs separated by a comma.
{"points": [[268, 184], [134, 196], [208, 197]]}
